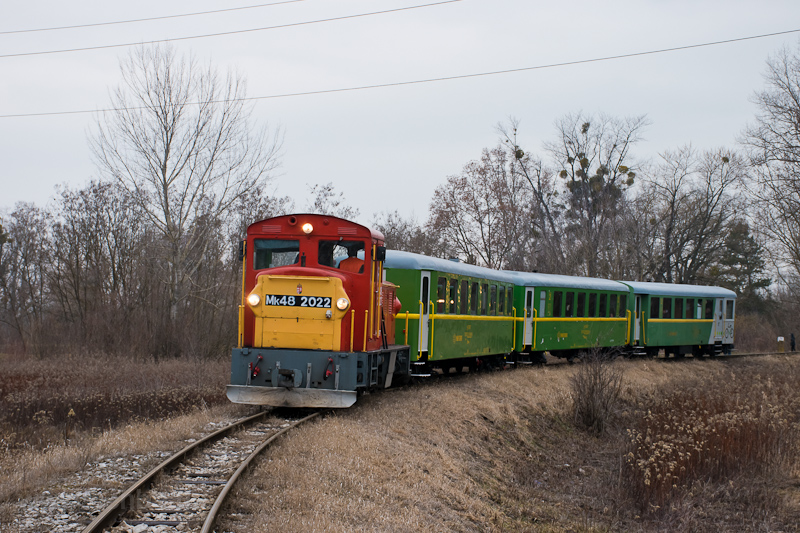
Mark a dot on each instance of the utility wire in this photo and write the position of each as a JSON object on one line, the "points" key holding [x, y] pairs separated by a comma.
{"points": [[149, 19], [432, 80], [234, 32]]}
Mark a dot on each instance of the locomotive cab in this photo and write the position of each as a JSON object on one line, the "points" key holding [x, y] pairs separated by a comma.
{"points": [[312, 321]]}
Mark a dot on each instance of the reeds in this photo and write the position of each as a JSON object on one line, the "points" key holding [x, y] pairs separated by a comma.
{"points": [[747, 423]]}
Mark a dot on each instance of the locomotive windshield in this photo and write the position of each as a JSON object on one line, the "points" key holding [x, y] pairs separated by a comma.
{"points": [[335, 253], [274, 252]]}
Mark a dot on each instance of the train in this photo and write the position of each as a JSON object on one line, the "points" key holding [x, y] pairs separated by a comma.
{"points": [[328, 313]]}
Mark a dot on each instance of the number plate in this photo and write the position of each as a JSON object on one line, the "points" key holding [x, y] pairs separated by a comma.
{"points": [[297, 301]]}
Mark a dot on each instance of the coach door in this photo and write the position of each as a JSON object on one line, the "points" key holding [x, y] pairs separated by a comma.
{"points": [[527, 338], [729, 322], [719, 321], [424, 311], [637, 320]]}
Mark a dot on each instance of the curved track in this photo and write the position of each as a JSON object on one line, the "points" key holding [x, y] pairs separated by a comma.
{"points": [[185, 488]]}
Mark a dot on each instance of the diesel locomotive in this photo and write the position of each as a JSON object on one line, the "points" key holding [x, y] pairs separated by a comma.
{"points": [[328, 313]]}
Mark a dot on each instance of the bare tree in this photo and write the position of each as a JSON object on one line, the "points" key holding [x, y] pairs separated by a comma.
{"points": [[323, 200], [180, 141], [407, 235], [774, 148], [24, 260], [96, 244], [594, 157], [480, 213], [690, 199], [545, 251]]}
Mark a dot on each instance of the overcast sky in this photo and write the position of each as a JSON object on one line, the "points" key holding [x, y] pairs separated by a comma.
{"points": [[388, 148]]}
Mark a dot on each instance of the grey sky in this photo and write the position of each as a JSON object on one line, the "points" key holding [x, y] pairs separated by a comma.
{"points": [[388, 148]]}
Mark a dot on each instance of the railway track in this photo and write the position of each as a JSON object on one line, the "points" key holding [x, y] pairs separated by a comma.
{"points": [[187, 490]]}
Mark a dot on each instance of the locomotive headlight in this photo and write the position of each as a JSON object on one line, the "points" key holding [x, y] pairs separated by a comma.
{"points": [[253, 300], [342, 304], [307, 228]]}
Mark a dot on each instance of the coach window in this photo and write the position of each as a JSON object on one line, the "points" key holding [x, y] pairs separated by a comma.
{"points": [[678, 307], [453, 295], [612, 306], [666, 306], [271, 253], [569, 305], [463, 298], [623, 305], [729, 309], [655, 307], [441, 294], [581, 309], [493, 300], [690, 308], [710, 309], [593, 304], [501, 301], [473, 299], [484, 298], [557, 303], [510, 300], [603, 312]]}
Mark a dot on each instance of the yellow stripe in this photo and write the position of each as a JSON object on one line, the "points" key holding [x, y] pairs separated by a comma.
{"points": [[580, 319], [473, 317], [681, 321]]}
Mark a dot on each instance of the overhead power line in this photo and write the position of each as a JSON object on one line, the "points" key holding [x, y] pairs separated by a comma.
{"points": [[149, 19], [234, 32], [433, 80]]}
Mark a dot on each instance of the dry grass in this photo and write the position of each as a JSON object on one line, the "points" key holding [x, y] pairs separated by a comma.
{"points": [[59, 413], [502, 452], [47, 401], [497, 452]]}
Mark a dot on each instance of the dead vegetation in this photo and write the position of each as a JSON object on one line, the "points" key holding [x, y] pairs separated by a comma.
{"points": [[44, 401], [502, 452], [505, 452]]}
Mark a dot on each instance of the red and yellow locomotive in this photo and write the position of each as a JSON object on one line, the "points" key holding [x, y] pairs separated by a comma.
{"points": [[316, 323]]}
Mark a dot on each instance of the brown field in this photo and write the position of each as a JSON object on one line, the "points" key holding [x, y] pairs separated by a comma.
{"points": [[684, 446]]}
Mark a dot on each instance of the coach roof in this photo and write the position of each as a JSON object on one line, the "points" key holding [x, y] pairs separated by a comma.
{"points": [[670, 289]]}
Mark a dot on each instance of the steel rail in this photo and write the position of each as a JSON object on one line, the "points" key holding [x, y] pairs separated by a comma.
{"points": [[208, 525], [110, 514]]}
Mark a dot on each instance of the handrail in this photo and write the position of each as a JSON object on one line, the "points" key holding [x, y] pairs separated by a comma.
{"points": [[628, 331], [353, 328], [514, 328], [241, 305], [644, 341], [432, 316]]}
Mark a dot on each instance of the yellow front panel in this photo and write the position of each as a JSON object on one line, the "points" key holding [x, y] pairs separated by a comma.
{"points": [[294, 312]]}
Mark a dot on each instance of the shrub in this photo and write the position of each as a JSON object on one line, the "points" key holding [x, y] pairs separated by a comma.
{"points": [[596, 388]]}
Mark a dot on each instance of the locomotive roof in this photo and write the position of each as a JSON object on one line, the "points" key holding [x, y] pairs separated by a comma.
{"points": [[323, 225], [672, 289]]}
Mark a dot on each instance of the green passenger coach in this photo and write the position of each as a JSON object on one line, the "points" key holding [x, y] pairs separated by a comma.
{"points": [[564, 315], [681, 319], [459, 315], [451, 311]]}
